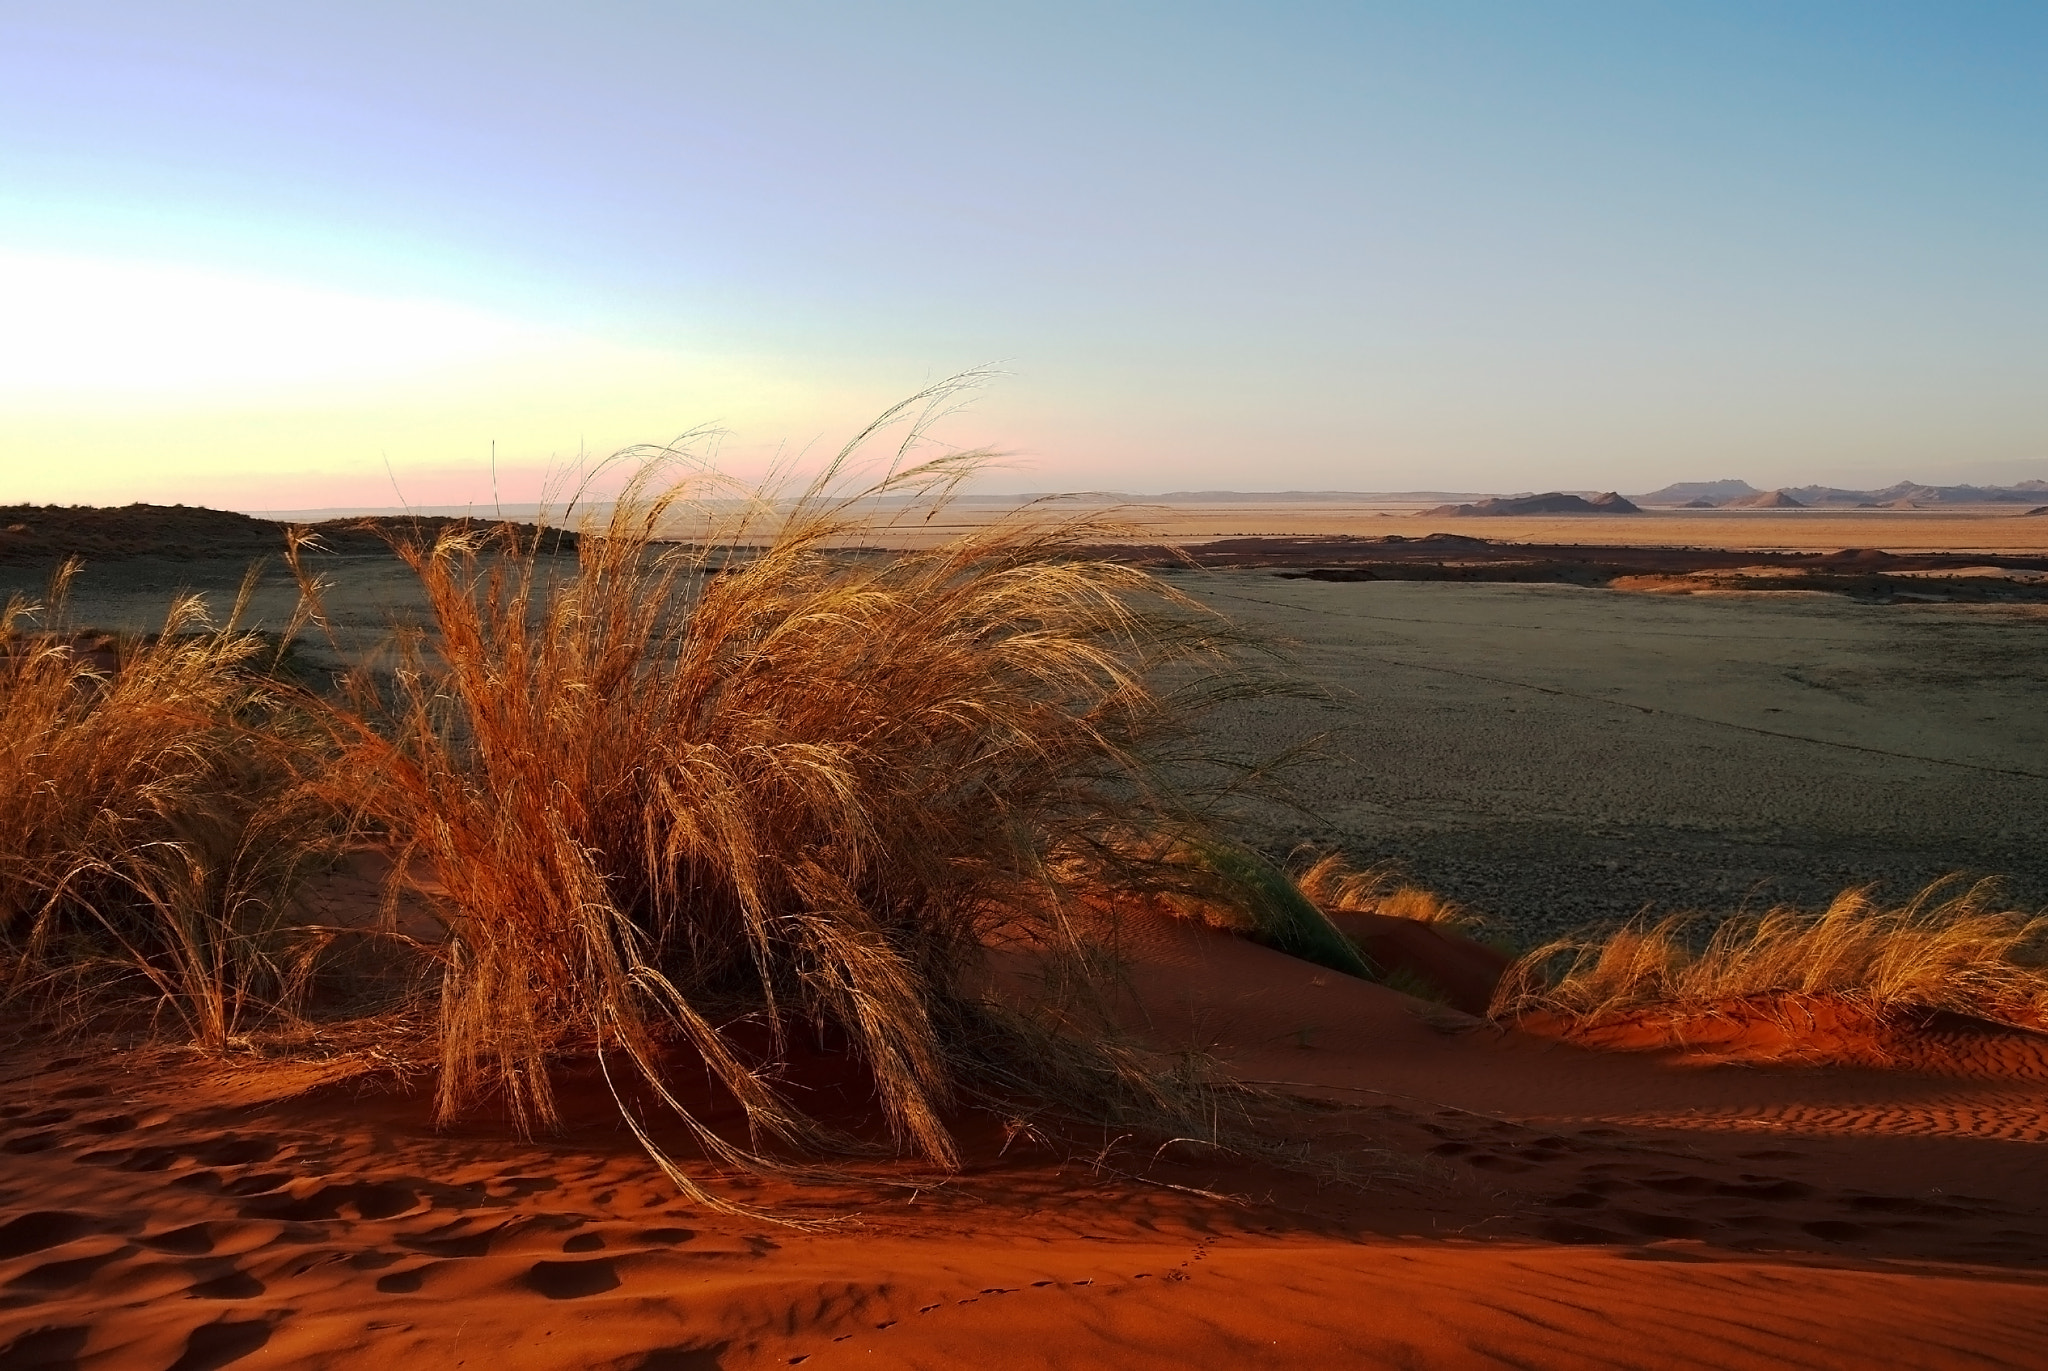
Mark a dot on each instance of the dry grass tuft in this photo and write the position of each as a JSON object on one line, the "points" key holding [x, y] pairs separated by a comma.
{"points": [[1332, 885], [1961, 953], [1226, 885], [145, 823], [768, 779]]}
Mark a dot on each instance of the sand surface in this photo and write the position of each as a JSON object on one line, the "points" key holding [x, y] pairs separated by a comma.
{"points": [[1459, 1196], [1510, 1202]]}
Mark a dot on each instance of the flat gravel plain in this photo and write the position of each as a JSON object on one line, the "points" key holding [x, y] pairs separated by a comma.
{"points": [[1558, 757]]}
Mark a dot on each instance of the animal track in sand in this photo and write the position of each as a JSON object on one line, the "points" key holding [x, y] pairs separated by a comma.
{"points": [[369, 1200], [2017, 1117], [1177, 1273]]}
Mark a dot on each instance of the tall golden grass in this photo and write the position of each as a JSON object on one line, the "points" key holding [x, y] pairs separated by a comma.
{"points": [[145, 826], [1944, 949], [1331, 883], [767, 779]]}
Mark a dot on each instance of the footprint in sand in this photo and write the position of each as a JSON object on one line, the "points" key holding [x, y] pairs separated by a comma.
{"points": [[404, 1282], [1490, 1161], [572, 1280], [214, 1345], [369, 1200], [133, 1158], [41, 1348], [1765, 1188], [667, 1237], [1660, 1225], [455, 1240], [193, 1240], [685, 1358], [1836, 1230], [65, 1275], [1572, 1232], [234, 1151], [40, 1229], [232, 1284], [44, 1118]]}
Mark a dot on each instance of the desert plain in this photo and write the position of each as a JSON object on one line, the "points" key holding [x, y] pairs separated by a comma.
{"points": [[1439, 1189]]}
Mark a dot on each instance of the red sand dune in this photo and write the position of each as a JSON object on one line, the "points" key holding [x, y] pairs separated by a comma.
{"points": [[1514, 1202], [1462, 971]]}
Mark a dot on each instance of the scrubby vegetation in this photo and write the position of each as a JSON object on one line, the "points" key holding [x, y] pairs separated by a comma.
{"points": [[1332, 884], [1958, 951], [149, 836], [714, 779], [758, 775], [679, 803]]}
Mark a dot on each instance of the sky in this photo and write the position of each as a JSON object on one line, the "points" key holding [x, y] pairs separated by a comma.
{"points": [[269, 256]]}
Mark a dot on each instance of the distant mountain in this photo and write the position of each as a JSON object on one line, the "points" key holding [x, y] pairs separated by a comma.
{"points": [[1272, 497], [1689, 493], [1912, 492], [1555, 502], [1732, 494]]}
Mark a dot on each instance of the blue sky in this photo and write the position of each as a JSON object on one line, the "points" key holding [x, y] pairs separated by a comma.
{"points": [[266, 256]]}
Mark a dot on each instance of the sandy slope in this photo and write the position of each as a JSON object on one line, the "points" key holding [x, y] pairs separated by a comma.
{"points": [[1523, 1204]]}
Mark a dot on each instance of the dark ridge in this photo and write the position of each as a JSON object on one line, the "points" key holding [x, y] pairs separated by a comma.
{"points": [[1866, 573], [1553, 502], [49, 533]]}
